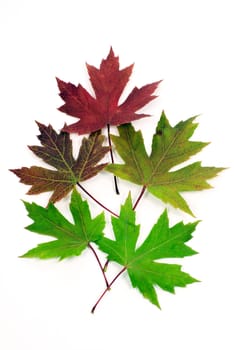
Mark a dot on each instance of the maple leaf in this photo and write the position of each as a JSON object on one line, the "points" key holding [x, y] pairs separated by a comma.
{"points": [[170, 147], [56, 150], [162, 242], [71, 238], [108, 83]]}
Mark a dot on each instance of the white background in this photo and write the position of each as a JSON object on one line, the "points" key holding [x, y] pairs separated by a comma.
{"points": [[189, 44]]}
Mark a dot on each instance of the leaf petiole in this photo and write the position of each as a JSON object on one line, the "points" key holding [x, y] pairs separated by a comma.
{"points": [[112, 157], [139, 197], [106, 265], [96, 200], [107, 289], [99, 263]]}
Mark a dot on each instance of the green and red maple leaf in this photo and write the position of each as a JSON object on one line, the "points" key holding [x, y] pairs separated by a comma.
{"points": [[57, 151]]}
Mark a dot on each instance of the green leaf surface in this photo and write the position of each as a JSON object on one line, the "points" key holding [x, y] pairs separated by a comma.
{"points": [[170, 147], [162, 242], [56, 150], [71, 238]]}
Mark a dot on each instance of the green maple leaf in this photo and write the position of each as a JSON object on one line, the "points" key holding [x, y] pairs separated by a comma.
{"points": [[56, 150], [71, 238], [162, 242], [170, 147]]}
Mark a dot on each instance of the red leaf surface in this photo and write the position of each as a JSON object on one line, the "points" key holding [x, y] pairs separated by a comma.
{"points": [[108, 83]]}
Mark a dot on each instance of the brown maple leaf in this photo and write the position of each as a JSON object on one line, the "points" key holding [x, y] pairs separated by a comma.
{"points": [[56, 150], [108, 83]]}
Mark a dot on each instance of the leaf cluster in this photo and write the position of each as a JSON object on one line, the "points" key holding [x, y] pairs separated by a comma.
{"points": [[154, 172]]}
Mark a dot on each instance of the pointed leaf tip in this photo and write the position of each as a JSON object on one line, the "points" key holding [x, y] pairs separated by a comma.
{"points": [[162, 124], [111, 52]]}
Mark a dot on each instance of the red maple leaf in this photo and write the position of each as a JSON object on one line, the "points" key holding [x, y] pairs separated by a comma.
{"points": [[108, 83]]}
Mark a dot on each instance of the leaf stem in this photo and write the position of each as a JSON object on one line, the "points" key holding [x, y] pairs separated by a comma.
{"points": [[107, 289], [106, 265], [96, 200], [112, 157], [99, 263], [139, 197]]}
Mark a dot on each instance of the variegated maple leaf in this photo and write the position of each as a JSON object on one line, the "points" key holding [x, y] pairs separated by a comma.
{"points": [[56, 150]]}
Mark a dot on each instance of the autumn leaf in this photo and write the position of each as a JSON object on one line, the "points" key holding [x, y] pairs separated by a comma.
{"points": [[170, 147], [141, 263], [108, 83], [70, 238], [56, 150]]}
